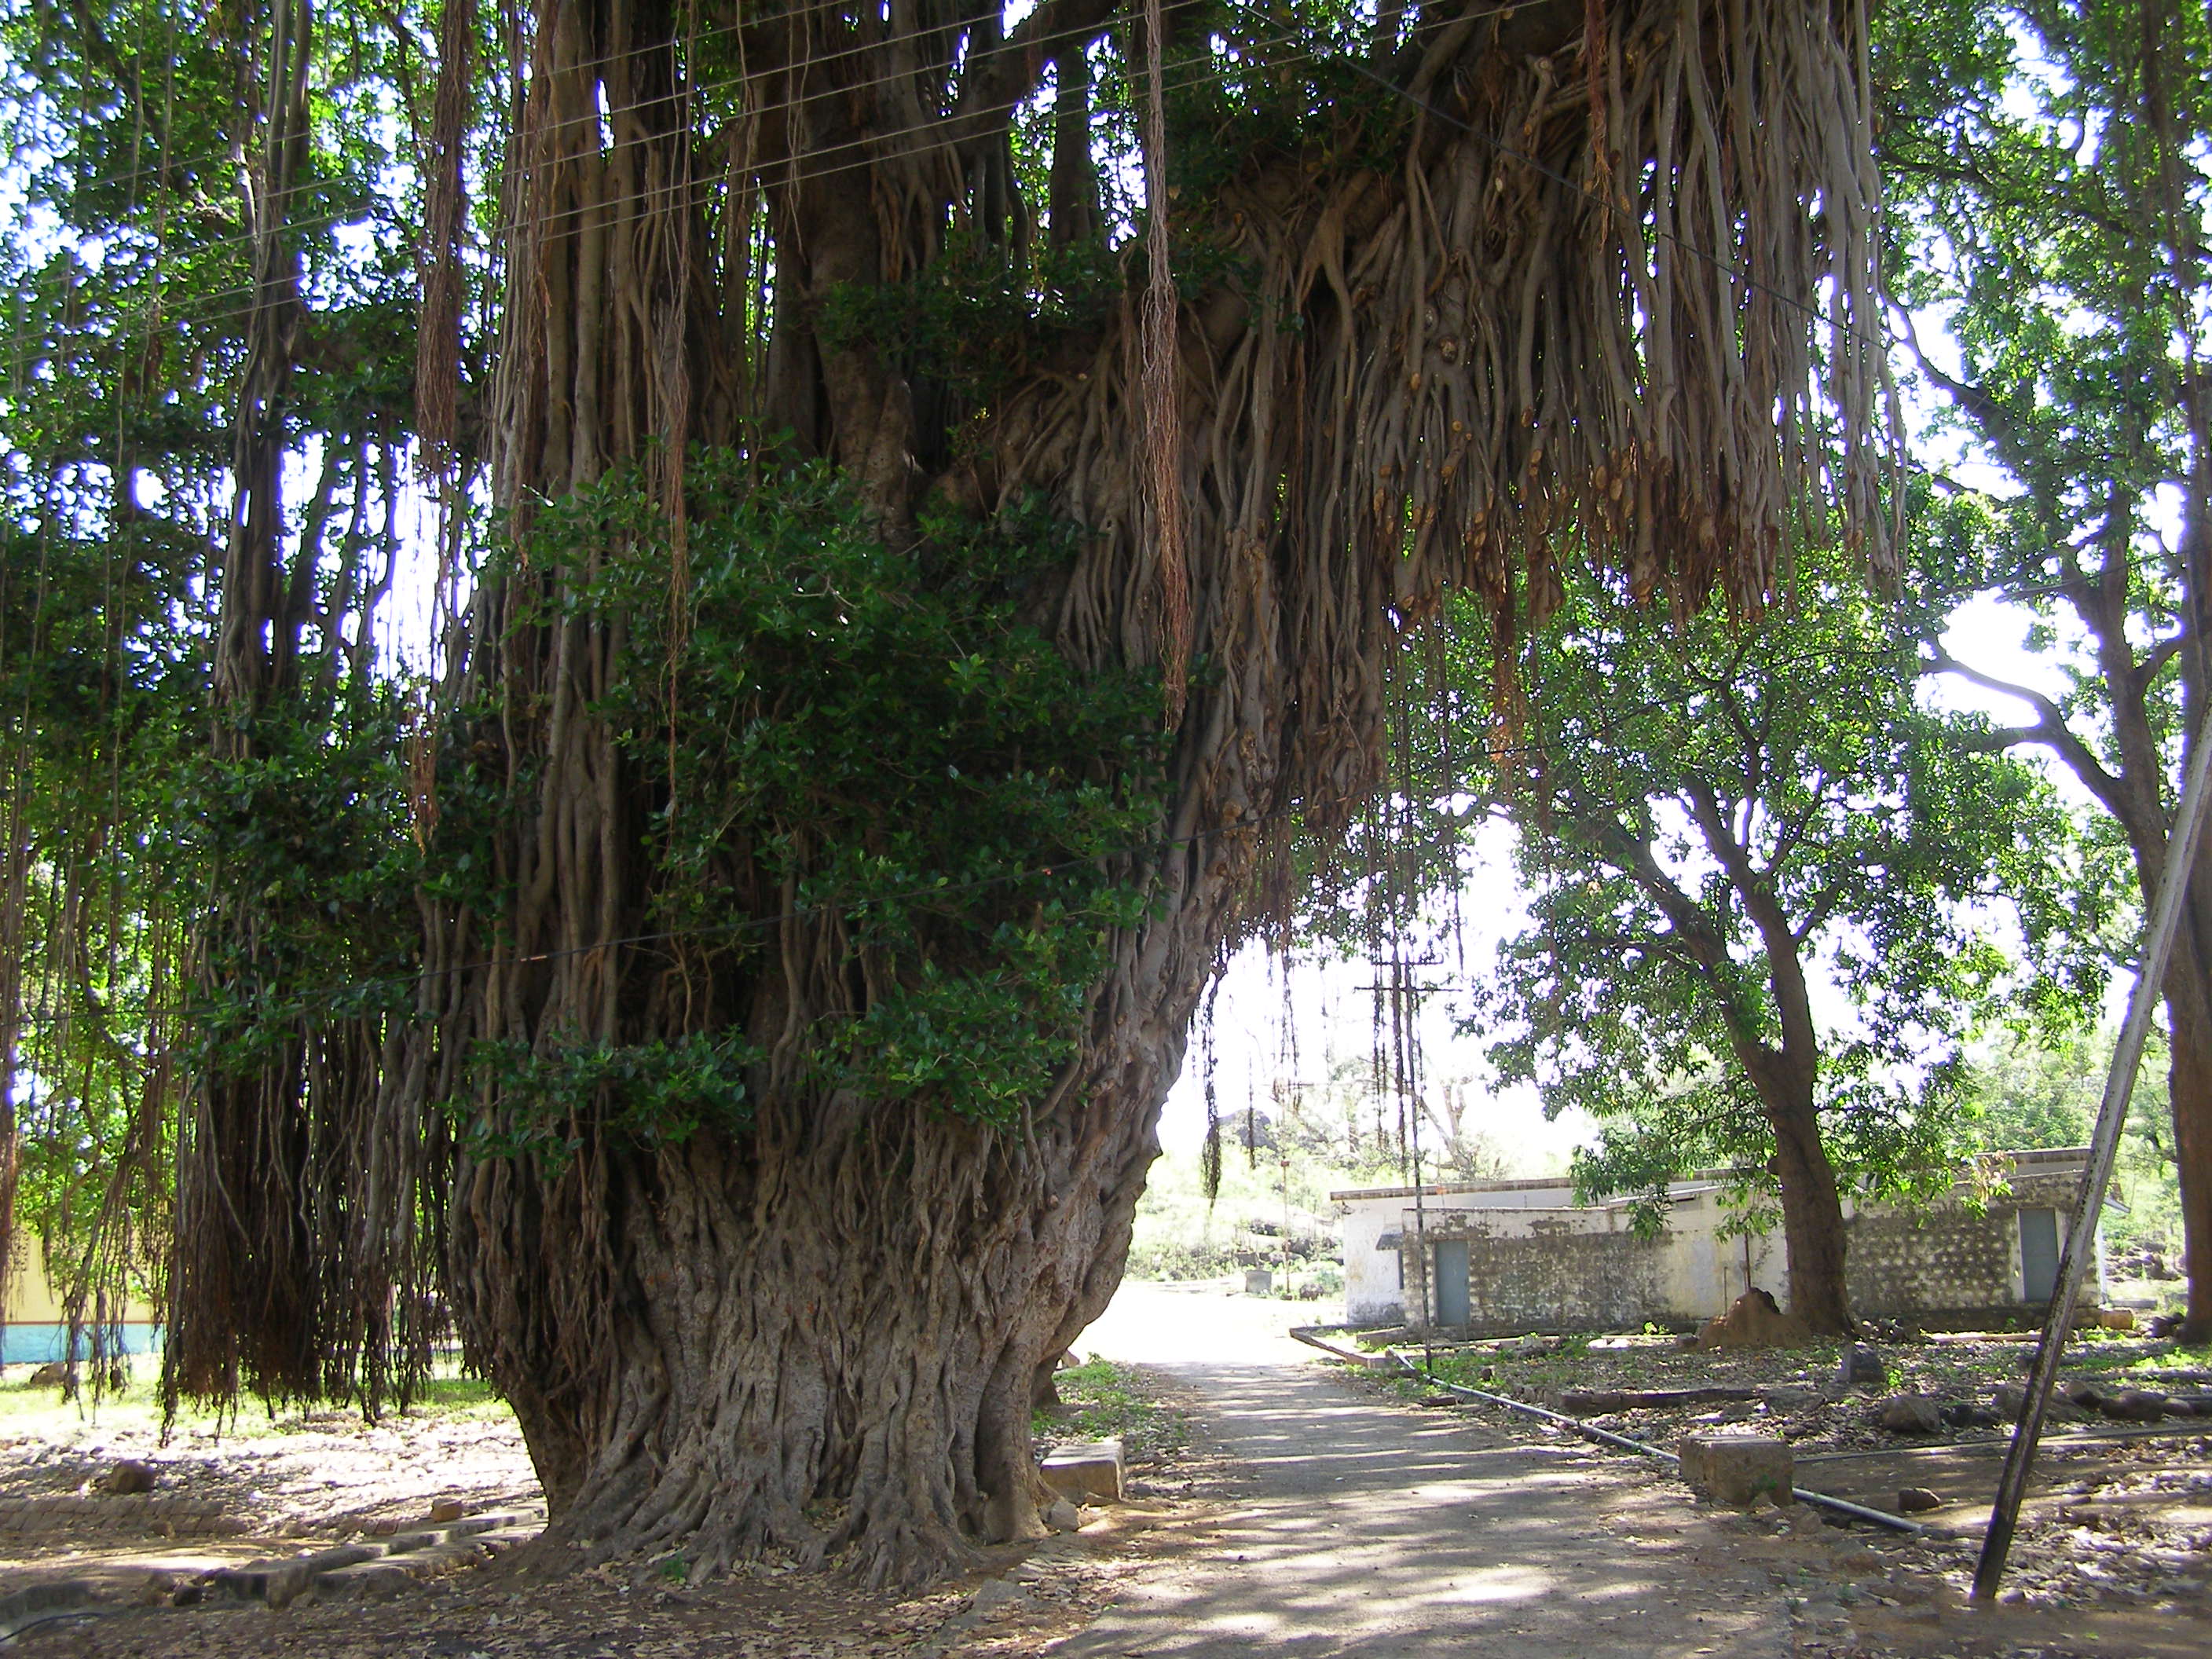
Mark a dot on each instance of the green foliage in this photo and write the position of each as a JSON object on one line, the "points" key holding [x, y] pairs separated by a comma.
{"points": [[873, 737], [2051, 181], [2045, 159], [1245, 84], [1744, 843], [2028, 1093], [312, 823], [648, 1093], [1104, 1398], [975, 322], [124, 250]]}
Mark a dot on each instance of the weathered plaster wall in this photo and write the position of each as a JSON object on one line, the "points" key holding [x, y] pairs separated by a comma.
{"points": [[1371, 1293], [1558, 1276], [1949, 1261], [1538, 1261]]}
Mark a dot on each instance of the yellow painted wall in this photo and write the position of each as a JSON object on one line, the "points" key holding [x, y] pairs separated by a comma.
{"points": [[28, 1299]]}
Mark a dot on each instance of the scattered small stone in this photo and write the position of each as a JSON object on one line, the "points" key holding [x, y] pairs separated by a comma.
{"points": [[1862, 1367], [1910, 1413], [446, 1508], [1063, 1516], [126, 1477], [1917, 1500]]}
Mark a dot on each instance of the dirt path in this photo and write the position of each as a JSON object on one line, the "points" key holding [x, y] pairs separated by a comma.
{"points": [[1359, 1524]]}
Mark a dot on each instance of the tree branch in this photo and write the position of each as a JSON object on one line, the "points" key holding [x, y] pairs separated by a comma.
{"points": [[2050, 730]]}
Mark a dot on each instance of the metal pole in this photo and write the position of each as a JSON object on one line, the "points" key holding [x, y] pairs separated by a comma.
{"points": [[2104, 1146]]}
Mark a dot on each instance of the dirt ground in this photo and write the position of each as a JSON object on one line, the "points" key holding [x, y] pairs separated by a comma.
{"points": [[263, 1489], [1288, 1506], [2120, 1514]]}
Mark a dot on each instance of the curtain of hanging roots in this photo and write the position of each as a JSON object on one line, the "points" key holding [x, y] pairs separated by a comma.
{"points": [[1560, 324]]}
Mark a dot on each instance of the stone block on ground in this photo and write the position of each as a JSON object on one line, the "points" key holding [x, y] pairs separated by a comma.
{"points": [[500, 1539], [1738, 1470], [279, 1581], [1910, 1413], [367, 1579], [2135, 1405], [127, 1476], [1087, 1472], [1861, 1368]]}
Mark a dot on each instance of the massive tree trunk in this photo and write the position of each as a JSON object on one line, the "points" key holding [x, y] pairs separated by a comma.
{"points": [[819, 1329]]}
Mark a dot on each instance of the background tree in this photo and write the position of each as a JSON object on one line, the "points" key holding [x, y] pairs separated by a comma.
{"points": [[1756, 862], [2030, 1090], [2050, 198], [917, 617], [130, 274]]}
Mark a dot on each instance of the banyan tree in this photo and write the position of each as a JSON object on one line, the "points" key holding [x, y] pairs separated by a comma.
{"points": [[928, 498]]}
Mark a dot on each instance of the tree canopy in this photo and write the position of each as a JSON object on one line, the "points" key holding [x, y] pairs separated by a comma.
{"points": [[896, 594], [1763, 880]]}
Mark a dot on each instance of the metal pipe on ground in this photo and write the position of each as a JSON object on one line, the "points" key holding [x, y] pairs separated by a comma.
{"points": [[1603, 1436]]}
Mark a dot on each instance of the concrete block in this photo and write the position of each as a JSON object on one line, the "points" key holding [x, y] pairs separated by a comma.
{"points": [[1738, 1470], [1087, 1473]]}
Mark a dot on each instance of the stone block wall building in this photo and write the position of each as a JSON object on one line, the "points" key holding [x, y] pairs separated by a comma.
{"points": [[1498, 1257]]}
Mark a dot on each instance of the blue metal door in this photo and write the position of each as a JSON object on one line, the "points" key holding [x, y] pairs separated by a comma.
{"points": [[1451, 1281], [2039, 1254]]}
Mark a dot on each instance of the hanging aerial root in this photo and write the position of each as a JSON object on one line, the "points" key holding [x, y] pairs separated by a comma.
{"points": [[1589, 315]]}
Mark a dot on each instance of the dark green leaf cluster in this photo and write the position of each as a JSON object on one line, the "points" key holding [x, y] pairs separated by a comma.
{"points": [[873, 739], [651, 1094], [313, 825], [973, 322]]}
